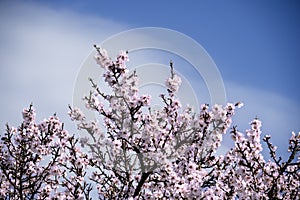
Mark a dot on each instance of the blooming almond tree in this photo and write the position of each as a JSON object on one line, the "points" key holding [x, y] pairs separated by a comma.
{"points": [[137, 152], [170, 153]]}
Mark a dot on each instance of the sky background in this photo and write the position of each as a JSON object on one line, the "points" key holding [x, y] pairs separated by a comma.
{"points": [[255, 45]]}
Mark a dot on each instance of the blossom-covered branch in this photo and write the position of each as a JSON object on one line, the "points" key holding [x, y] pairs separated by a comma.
{"points": [[169, 153]]}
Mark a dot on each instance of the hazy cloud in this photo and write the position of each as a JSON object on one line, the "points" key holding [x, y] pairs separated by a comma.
{"points": [[40, 54]]}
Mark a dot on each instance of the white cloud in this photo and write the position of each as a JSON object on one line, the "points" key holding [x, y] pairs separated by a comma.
{"points": [[40, 54]]}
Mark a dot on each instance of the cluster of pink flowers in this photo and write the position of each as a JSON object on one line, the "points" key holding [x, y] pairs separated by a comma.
{"points": [[142, 152], [243, 172], [41, 161]]}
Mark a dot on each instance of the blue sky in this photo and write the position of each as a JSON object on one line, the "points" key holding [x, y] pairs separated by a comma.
{"points": [[255, 45]]}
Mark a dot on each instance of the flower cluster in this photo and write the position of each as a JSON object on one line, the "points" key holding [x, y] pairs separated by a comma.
{"points": [[114, 69], [173, 82], [41, 161]]}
